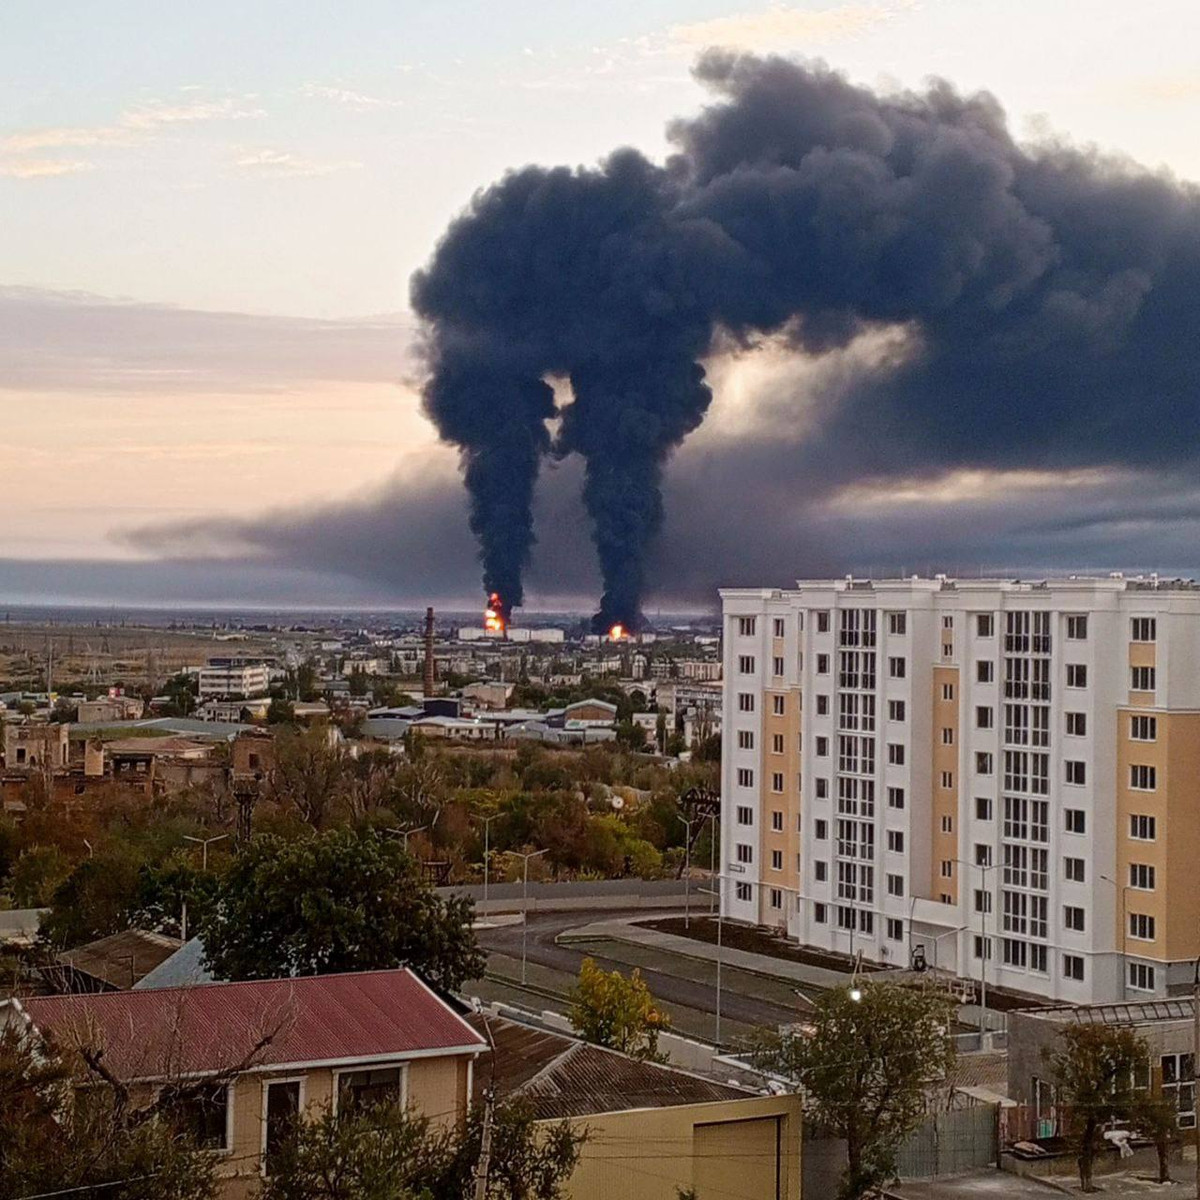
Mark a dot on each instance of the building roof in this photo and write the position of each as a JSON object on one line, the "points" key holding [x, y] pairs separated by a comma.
{"points": [[183, 968], [120, 959], [562, 1077], [157, 746], [313, 1020], [1141, 1012]]}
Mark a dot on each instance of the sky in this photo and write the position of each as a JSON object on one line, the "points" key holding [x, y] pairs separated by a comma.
{"points": [[211, 213]]}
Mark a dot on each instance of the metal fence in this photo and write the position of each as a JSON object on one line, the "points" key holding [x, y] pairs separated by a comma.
{"points": [[950, 1142]]}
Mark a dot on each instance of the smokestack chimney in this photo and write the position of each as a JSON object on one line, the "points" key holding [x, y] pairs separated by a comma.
{"points": [[430, 681]]}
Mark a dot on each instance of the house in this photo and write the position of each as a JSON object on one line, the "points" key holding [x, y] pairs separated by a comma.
{"points": [[654, 1131], [110, 963], [111, 708], [36, 745], [272, 1048]]}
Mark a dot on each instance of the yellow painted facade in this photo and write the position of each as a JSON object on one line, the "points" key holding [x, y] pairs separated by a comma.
{"points": [[731, 1150], [945, 799], [779, 838]]}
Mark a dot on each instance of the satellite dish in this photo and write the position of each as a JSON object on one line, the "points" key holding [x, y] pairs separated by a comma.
{"points": [[618, 802]]}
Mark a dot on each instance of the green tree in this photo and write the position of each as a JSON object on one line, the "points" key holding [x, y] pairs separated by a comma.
{"points": [[281, 711], [346, 900], [863, 1066], [310, 772], [1094, 1068], [1157, 1118], [618, 1012], [36, 875], [96, 899], [87, 1145], [388, 1152], [631, 736]]}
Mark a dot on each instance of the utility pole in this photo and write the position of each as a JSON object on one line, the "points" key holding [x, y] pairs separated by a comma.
{"points": [[525, 905], [485, 1137], [687, 872], [487, 856]]}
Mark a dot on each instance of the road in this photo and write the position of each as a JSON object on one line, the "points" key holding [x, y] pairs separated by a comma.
{"points": [[681, 981]]}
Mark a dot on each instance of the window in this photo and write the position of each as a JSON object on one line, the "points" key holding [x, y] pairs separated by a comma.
{"points": [[822, 789], [1074, 870], [820, 914], [1077, 628], [984, 625], [983, 854], [1143, 778], [1072, 966], [1143, 729], [745, 814], [1143, 629], [745, 739], [1143, 828], [947, 868], [203, 1113], [746, 664], [985, 671], [777, 782], [283, 1111], [776, 898], [778, 706], [947, 691], [1076, 772], [1141, 927], [1141, 679], [777, 665], [745, 777], [821, 830], [777, 821], [777, 743], [822, 747], [1178, 1084], [820, 871], [947, 622], [745, 701], [983, 808], [822, 706], [895, 930], [895, 797], [983, 901], [895, 840], [1073, 917], [745, 852], [896, 668], [1141, 977], [947, 779], [898, 623], [777, 629], [1076, 675], [1077, 724], [983, 947], [1141, 877], [358, 1090], [895, 885], [895, 710], [945, 898], [984, 765], [896, 754], [1075, 820], [822, 664], [823, 621], [947, 735], [985, 717], [776, 860], [743, 892], [747, 626]]}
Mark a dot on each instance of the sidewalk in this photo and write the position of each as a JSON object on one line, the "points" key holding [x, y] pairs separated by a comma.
{"points": [[627, 930]]}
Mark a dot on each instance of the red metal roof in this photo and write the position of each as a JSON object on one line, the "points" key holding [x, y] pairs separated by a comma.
{"points": [[170, 1032]]}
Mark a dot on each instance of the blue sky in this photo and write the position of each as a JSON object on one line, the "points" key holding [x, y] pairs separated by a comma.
{"points": [[298, 159]]}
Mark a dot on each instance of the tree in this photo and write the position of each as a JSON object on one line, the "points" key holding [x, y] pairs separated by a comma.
{"points": [[631, 735], [346, 900], [96, 899], [309, 772], [58, 1136], [388, 1152], [1095, 1067], [36, 876], [864, 1066], [1156, 1117], [281, 711], [618, 1012]]}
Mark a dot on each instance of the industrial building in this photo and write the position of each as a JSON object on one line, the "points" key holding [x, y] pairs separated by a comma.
{"points": [[1000, 776]]}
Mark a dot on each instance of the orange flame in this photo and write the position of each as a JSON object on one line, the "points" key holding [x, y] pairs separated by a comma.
{"points": [[493, 615], [617, 633]]}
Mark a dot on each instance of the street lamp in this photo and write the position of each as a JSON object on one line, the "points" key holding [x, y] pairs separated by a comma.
{"points": [[983, 949], [487, 855], [1124, 889], [525, 904], [204, 843], [406, 833], [687, 871], [712, 865], [720, 914]]}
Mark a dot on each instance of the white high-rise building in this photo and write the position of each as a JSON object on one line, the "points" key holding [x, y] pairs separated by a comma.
{"points": [[995, 774]]}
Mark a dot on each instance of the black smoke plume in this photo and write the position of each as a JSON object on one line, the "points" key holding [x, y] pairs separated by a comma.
{"points": [[1048, 296]]}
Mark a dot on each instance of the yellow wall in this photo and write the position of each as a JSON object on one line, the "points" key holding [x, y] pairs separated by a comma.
{"points": [[726, 1151], [788, 764], [945, 800]]}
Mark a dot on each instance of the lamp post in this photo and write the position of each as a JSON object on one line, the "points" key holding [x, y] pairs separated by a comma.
{"points": [[1125, 943], [983, 949], [525, 904], [487, 856], [407, 832], [713, 834], [687, 871], [720, 914], [204, 843]]}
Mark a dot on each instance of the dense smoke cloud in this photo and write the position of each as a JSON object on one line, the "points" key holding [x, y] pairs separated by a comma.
{"points": [[1047, 295]]}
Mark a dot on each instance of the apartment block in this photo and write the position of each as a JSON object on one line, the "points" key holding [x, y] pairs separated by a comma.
{"points": [[999, 776], [234, 678]]}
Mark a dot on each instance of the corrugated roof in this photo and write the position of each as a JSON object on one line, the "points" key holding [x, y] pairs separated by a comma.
{"points": [[185, 967], [1137, 1012], [215, 1027], [562, 1077], [121, 959]]}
